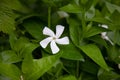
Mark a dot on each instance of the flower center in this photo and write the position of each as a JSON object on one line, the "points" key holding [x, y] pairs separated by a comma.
{"points": [[54, 38]]}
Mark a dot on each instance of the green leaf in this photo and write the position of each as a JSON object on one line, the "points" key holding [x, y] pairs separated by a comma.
{"points": [[10, 56], [28, 48], [10, 71], [7, 23], [75, 30], [98, 39], [24, 46], [34, 28], [39, 67], [68, 77], [20, 43], [4, 77], [92, 31], [71, 8], [113, 53], [86, 76], [90, 13], [89, 67], [12, 40], [93, 52], [99, 18], [71, 52], [114, 36], [115, 21], [107, 75], [14, 4], [112, 7]]}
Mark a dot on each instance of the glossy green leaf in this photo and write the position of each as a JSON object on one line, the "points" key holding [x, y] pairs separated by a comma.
{"points": [[87, 76], [71, 52], [10, 70], [10, 56], [15, 5], [7, 23], [98, 39], [94, 31], [93, 52], [68, 77], [75, 31], [90, 13], [34, 28], [99, 18], [12, 40], [20, 43], [112, 7], [115, 21], [71, 8], [4, 77], [107, 75], [92, 69], [113, 53], [115, 17], [114, 36], [39, 67]]}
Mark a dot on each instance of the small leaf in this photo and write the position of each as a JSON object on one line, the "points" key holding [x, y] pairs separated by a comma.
{"points": [[71, 52], [86, 76], [113, 53], [75, 31], [39, 67], [68, 77], [115, 21], [7, 23], [71, 8], [112, 7], [89, 67], [107, 75], [10, 56], [94, 31], [10, 70], [34, 28], [20, 43], [97, 39], [93, 52], [90, 13], [114, 36], [12, 40], [15, 5]]}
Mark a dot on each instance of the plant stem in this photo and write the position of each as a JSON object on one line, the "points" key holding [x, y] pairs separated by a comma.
{"points": [[77, 69], [83, 20], [49, 17]]}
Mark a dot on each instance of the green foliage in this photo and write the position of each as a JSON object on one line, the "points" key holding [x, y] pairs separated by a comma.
{"points": [[10, 70], [89, 55], [7, 22], [35, 69], [93, 52]]}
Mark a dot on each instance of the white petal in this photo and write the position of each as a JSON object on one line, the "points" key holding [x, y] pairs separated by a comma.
{"points": [[59, 30], [47, 31], [54, 47], [104, 26], [64, 40], [63, 14], [45, 42], [119, 66]]}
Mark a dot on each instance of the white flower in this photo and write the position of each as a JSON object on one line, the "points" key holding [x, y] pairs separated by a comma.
{"points": [[63, 14], [104, 34], [54, 38], [118, 66]]}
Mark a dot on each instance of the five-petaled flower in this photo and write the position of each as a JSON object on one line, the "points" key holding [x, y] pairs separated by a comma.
{"points": [[54, 38]]}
